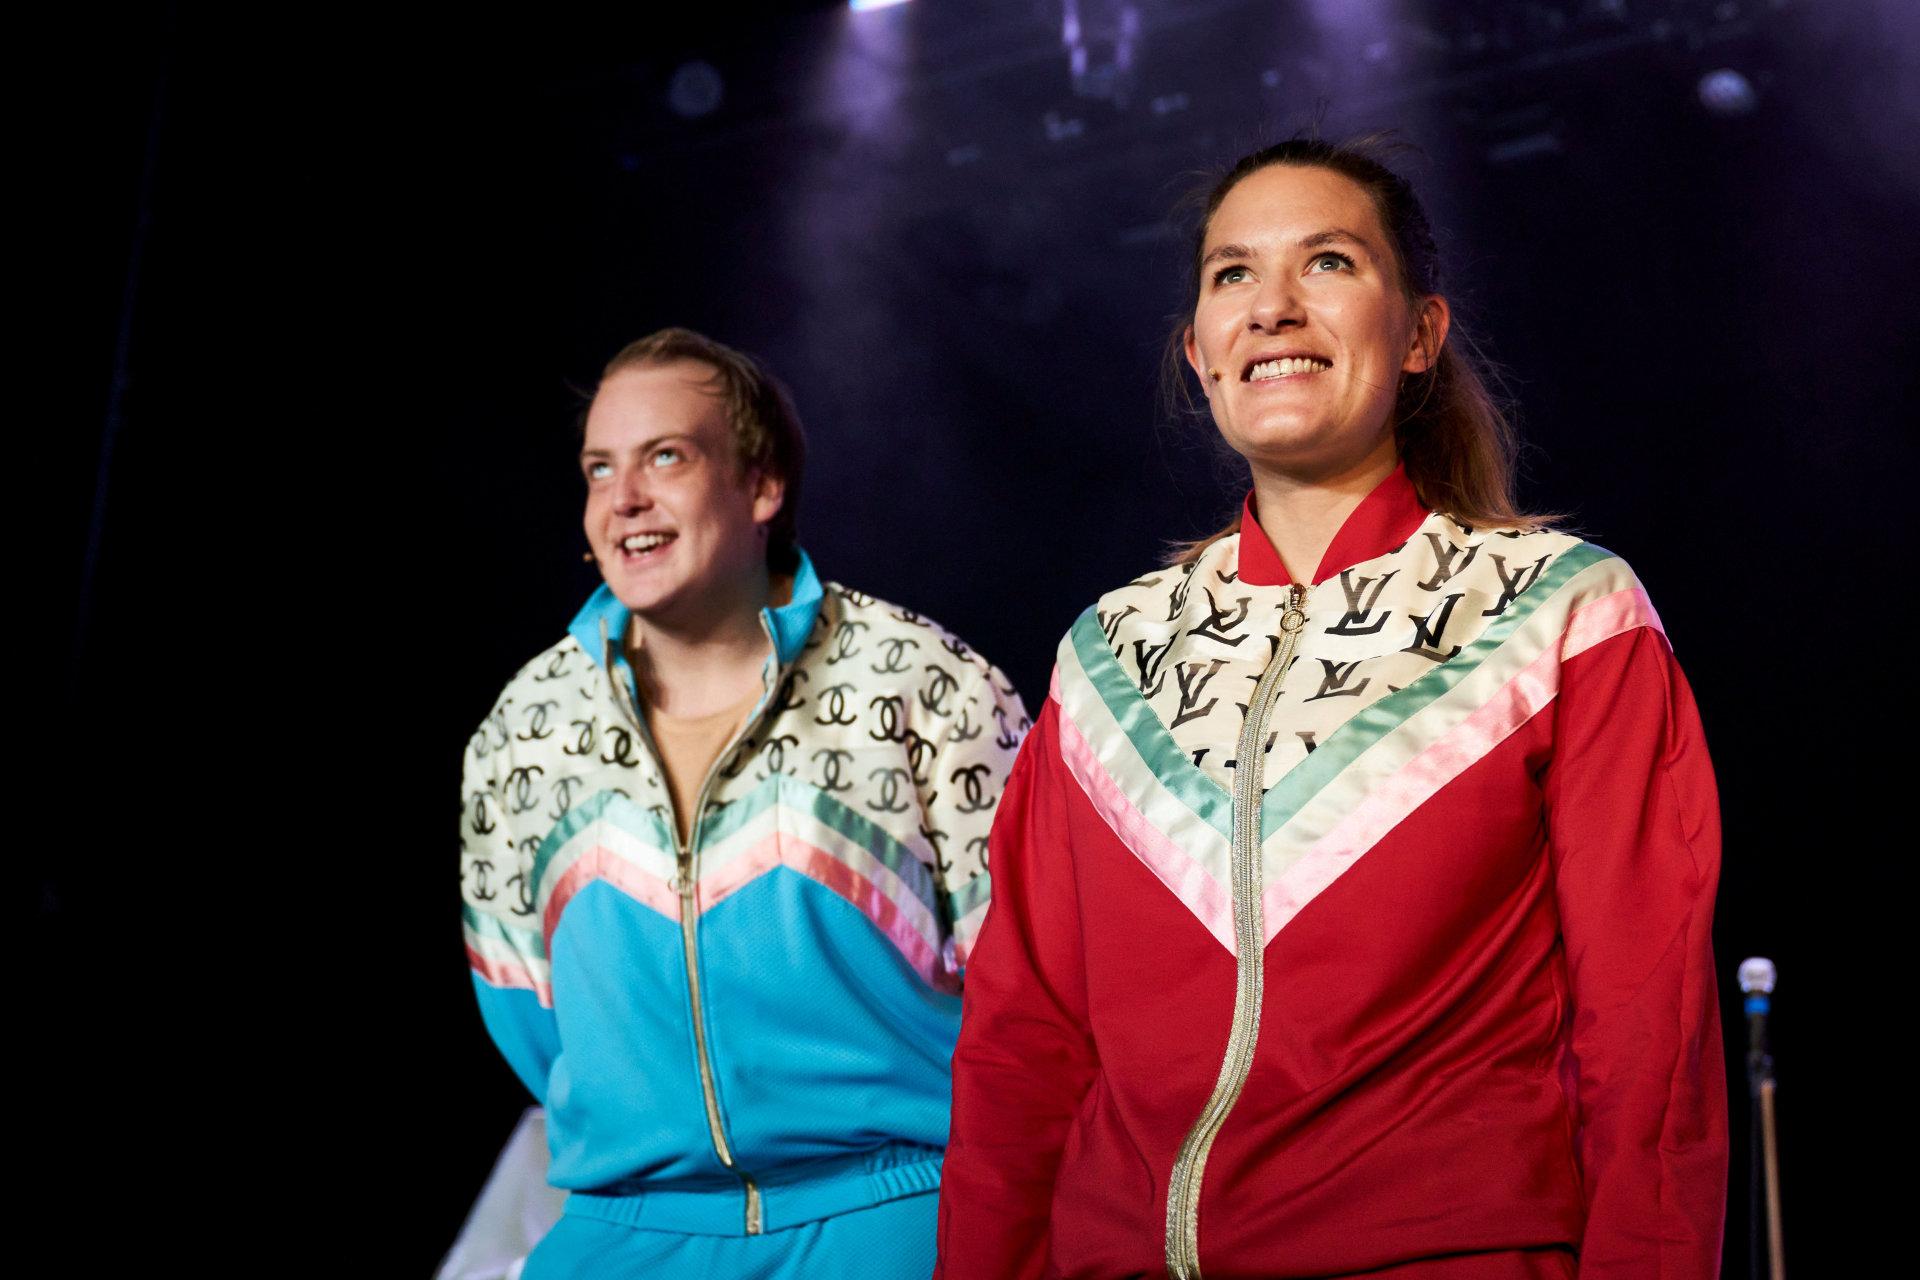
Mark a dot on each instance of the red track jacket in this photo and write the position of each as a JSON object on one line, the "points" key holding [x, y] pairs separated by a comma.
{"points": [[1476, 1034]]}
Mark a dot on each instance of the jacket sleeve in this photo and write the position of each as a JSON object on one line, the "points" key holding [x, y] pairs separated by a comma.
{"points": [[974, 755], [505, 947], [1025, 1059], [1634, 825]]}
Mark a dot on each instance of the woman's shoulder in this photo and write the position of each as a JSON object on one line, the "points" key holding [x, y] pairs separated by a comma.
{"points": [[1155, 600], [1547, 587], [1517, 561], [1129, 632]]}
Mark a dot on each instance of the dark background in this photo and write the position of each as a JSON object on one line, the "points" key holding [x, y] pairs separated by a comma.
{"points": [[323, 286]]}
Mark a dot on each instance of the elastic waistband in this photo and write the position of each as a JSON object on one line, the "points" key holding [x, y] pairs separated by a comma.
{"points": [[788, 1197]]}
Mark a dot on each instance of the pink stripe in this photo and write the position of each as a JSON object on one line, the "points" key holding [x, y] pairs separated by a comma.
{"points": [[782, 849], [1387, 804], [966, 931], [505, 973], [775, 850], [1176, 869], [602, 863], [1608, 617]]}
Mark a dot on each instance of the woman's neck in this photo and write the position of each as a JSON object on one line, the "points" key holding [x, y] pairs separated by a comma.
{"points": [[1301, 514]]}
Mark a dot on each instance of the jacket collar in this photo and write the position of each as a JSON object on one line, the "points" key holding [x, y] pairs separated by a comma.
{"points": [[604, 618], [1383, 521]]}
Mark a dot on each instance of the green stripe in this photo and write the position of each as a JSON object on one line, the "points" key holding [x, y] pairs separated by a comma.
{"points": [[970, 895], [779, 788], [725, 822], [729, 820], [858, 829], [1345, 745], [1213, 803], [524, 939], [1150, 738], [629, 817]]}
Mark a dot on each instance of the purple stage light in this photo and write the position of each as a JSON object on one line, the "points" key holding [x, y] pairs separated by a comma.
{"points": [[695, 90], [1728, 93]]}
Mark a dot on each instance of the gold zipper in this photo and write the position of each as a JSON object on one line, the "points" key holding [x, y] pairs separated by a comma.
{"points": [[686, 883], [1249, 936]]}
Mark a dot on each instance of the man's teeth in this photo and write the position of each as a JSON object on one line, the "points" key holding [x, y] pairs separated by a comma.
{"points": [[1290, 365], [645, 541]]}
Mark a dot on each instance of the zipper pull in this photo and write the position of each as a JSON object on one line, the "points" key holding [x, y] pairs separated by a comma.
{"points": [[1296, 615]]}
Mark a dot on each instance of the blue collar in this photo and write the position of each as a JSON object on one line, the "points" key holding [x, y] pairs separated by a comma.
{"points": [[604, 618]]}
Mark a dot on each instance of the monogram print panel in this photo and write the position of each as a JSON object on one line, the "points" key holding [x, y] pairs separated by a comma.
{"points": [[1194, 640], [873, 766], [1410, 667]]}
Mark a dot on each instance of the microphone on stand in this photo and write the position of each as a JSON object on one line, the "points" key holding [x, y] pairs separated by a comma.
{"points": [[1757, 977]]}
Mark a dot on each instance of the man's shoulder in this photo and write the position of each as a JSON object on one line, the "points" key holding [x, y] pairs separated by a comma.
{"points": [[561, 676], [891, 638]]}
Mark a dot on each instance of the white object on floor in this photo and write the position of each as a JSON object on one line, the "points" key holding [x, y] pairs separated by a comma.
{"points": [[514, 1210]]}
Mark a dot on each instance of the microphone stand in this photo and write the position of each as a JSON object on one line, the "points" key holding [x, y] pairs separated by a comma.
{"points": [[1763, 1163]]}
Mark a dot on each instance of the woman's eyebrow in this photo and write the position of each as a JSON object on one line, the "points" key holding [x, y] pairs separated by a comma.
{"points": [[1333, 235], [1221, 252]]}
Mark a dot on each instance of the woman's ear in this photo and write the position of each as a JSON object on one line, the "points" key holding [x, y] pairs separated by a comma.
{"points": [[1192, 349], [1429, 334]]}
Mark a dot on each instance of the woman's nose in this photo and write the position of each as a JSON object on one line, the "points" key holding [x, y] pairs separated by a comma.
{"points": [[1276, 306]]}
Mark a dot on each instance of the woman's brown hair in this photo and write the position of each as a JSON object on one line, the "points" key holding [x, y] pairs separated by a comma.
{"points": [[1456, 442]]}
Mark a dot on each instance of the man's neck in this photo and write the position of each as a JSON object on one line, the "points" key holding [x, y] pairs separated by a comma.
{"points": [[702, 665]]}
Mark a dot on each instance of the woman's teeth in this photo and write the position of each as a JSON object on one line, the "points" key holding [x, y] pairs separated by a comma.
{"points": [[1283, 368], [645, 541]]}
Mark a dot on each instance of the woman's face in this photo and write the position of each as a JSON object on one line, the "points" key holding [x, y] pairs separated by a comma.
{"points": [[1301, 332]]}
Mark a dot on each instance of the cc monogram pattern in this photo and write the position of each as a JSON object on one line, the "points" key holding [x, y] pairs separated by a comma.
{"points": [[873, 765]]}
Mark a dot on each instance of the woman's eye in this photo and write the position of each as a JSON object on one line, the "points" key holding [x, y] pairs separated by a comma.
{"points": [[667, 457], [1330, 262], [1230, 275], [599, 470]]}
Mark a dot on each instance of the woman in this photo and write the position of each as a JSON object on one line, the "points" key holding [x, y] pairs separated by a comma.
{"points": [[1353, 892]]}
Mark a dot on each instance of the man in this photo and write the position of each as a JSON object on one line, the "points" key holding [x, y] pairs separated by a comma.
{"points": [[723, 859]]}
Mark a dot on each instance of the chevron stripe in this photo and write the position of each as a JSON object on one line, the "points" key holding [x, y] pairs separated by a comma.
{"points": [[1362, 781], [1141, 784], [969, 906], [506, 956], [1403, 771], [781, 822], [1533, 621], [1194, 868]]}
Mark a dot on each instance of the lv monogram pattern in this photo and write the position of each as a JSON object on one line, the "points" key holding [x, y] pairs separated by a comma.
{"points": [[1194, 640], [1411, 666]]}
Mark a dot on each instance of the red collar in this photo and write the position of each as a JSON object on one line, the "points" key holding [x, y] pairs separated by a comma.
{"points": [[1384, 520]]}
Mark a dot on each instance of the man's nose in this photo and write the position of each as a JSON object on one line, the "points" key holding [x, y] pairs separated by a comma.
{"points": [[630, 495]]}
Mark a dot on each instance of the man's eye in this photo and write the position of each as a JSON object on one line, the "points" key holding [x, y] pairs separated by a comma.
{"points": [[599, 470], [667, 457]]}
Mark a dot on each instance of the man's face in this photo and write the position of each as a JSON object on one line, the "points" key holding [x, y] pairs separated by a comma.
{"points": [[674, 524]]}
